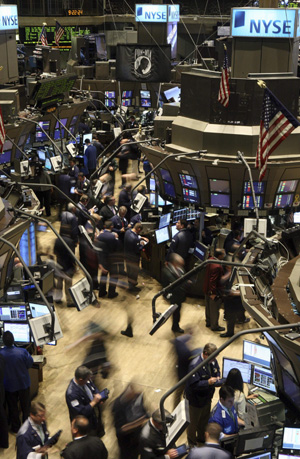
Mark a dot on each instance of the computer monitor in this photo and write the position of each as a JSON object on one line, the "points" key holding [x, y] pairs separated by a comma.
{"points": [[250, 224], [297, 217], [59, 134], [13, 313], [126, 102], [287, 456], [219, 186], [110, 103], [192, 214], [152, 199], [244, 367], [87, 136], [41, 155], [145, 94], [287, 186], [263, 378], [291, 438], [258, 354], [191, 196], [32, 243], [263, 455], [5, 158], [62, 121], [146, 103], [255, 439], [21, 331], [152, 184], [220, 200], [38, 310], [188, 181], [164, 220], [80, 292], [200, 251], [179, 214], [110, 94], [283, 200], [40, 136], [40, 328], [165, 174], [249, 204], [173, 94], [169, 189], [24, 247], [259, 187], [162, 235], [48, 164], [126, 94], [174, 231], [74, 120]]}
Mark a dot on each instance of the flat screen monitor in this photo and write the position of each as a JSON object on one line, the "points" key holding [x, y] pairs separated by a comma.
{"points": [[87, 136], [179, 214], [297, 217], [220, 200], [291, 438], [48, 164], [287, 456], [164, 220], [74, 120], [249, 204], [174, 231], [169, 189], [263, 455], [110, 103], [263, 378], [126, 102], [126, 94], [255, 439], [38, 309], [219, 186], [191, 195], [21, 331], [24, 247], [146, 103], [244, 367], [62, 121], [287, 186], [59, 134], [192, 214], [259, 187], [145, 94], [173, 94], [152, 184], [5, 157], [200, 251], [40, 136], [165, 174], [188, 181], [152, 199], [162, 235], [283, 200], [110, 94], [258, 354], [32, 243], [44, 125], [41, 155], [14, 313]]}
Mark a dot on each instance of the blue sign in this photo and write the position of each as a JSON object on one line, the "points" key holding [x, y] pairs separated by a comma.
{"points": [[156, 13], [263, 22], [8, 17]]}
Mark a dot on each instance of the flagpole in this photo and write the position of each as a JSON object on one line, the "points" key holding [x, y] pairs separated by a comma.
{"points": [[241, 158]]}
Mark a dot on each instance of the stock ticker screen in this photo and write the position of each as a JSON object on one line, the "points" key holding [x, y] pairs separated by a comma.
{"points": [[30, 35]]}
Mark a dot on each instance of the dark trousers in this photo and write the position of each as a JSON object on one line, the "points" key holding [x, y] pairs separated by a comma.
{"points": [[45, 200], [212, 312], [12, 399], [234, 310], [199, 417], [129, 445], [176, 316], [132, 268], [3, 428]]}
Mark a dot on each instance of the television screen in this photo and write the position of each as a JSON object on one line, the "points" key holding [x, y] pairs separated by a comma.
{"points": [[178, 214], [152, 199], [20, 331], [127, 94], [220, 200], [15, 313], [262, 377], [244, 367], [44, 125], [283, 200], [257, 353], [259, 187], [287, 186], [126, 102], [62, 121], [249, 204], [74, 120], [41, 155], [146, 103], [59, 134], [191, 196], [164, 220], [145, 94], [110, 94], [173, 94], [287, 456], [110, 103], [48, 164], [291, 438], [188, 181], [169, 189], [40, 136], [200, 251], [152, 184], [162, 235], [219, 186], [174, 230], [166, 175], [192, 214], [38, 310], [297, 217], [5, 157], [87, 136]]}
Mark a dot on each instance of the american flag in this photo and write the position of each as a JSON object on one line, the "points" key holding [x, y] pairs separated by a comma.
{"points": [[224, 91], [59, 31], [43, 37], [2, 132], [276, 124]]}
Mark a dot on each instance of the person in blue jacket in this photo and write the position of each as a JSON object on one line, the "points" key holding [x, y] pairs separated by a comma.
{"points": [[225, 414], [16, 380], [91, 154]]}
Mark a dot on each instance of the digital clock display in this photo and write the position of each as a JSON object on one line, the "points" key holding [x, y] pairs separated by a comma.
{"points": [[75, 12]]}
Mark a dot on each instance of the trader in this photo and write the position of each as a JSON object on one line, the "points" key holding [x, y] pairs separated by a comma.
{"points": [[91, 155], [110, 246], [133, 245], [182, 241], [212, 448], [224, 412]]}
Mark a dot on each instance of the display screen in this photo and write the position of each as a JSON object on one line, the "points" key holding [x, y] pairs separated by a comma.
{"points": [[192, 214], [291, 438], [110, 103], [249, 204], [259, 187], [287, 456], [166, 175], [44, 125], [41, 155], [179, 214], [162, 235], [164, 220], [220, 200], [87, 136], [190, 195], [257, 353], [127, 94], [244, 367], [174, 230], [126, 102], [262, 377], [173, 94], [40, 136], [24, 247], [48, 165], [145, 94], [169, 189], [5, 157], [146, 103], [200, 251], [297, 217], [188, 181], [62, 121], [32, 243], [152, 199], [74, 120], [14, 313], [20, 331], [287, 186], [110, 94], [152, 184], [58, 134], [219, 186], [38, 310], [283, 200]]}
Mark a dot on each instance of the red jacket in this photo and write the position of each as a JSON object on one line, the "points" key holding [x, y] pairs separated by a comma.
{"points": [[213, 274]]}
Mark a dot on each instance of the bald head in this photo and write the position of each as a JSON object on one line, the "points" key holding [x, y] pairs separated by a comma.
{"points": [[80, 426]]}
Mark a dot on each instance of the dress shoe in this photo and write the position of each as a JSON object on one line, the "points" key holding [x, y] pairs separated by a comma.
{"points": [[127, 332], [207, 325], [225, 335], [177, 330], [112, 295], [218, 329], [71, 305], [58, 301], [135, 289], [245, 321], [102, 294]]}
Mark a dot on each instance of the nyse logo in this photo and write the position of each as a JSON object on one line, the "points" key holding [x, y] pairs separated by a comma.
{"points": [[9, 21], [273, 27]]}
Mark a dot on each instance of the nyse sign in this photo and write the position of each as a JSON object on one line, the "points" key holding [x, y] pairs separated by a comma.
{"points": [[8, 17], [259, 22], [156, 13]]}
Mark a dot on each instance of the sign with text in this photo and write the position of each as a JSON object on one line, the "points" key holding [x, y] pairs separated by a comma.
{"points": [[156, 13], [263, 22], [9, 17]]}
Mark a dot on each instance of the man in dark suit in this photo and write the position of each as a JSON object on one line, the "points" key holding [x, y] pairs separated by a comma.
{"points": [[83, 446], [109, 209], [125, 198], [212, 448], [64, 184], [91, 155], [182, 241], [3, 417], [110, 245]]}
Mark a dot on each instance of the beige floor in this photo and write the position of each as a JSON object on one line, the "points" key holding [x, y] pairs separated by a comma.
{"points": [[147, 359]]}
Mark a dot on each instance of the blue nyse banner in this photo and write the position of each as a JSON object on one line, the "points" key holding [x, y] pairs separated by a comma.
{"points": [[264, 23], [8, 17], [156, 13]]}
